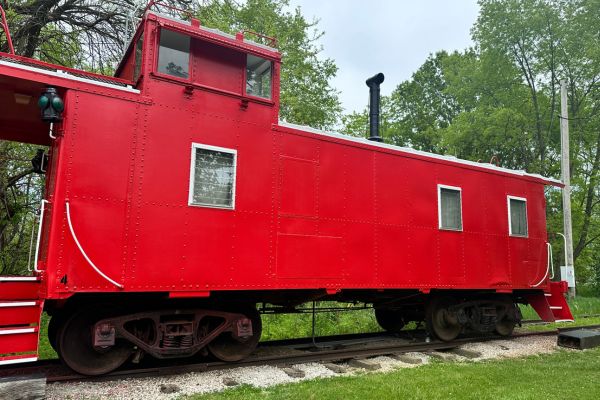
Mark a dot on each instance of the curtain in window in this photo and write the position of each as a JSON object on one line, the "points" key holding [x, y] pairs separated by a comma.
{"points": [[451, 210], [213, 178], [518, 217]]}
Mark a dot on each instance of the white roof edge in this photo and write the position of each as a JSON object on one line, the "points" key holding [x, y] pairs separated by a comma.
{"points": [[417, 152], [65, 75], [212, 30]]}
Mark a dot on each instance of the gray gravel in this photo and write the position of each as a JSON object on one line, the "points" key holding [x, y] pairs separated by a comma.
{"points": [[171, 387]]}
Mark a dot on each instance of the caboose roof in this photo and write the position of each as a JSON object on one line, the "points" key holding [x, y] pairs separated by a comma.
{"points": [[407, 150], [209, 30]]}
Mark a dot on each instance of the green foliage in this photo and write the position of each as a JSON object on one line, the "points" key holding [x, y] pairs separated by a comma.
{"points": [[306, 94], [501, 99], [20, 192]]}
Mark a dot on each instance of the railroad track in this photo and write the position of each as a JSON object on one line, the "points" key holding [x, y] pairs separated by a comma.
{"points": [[279, 353]]}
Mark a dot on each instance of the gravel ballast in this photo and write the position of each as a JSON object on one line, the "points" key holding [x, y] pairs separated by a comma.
{"points": [[171, 387]]}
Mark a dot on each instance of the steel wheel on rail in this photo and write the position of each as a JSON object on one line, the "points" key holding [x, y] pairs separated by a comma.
{"points": [[506, 324], [53, 329], [441, 322], [389, 320], [228, 347], [76, 348]]}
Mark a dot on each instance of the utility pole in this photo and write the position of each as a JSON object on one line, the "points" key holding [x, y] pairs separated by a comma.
{"points": [[566, 179]]}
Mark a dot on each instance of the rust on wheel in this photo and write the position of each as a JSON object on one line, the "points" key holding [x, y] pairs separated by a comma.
{"points": [[76, 347], [441, 322], [231, 347]]}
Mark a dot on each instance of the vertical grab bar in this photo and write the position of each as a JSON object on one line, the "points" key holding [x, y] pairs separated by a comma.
{"points": [[39, 235], [548, 266]]}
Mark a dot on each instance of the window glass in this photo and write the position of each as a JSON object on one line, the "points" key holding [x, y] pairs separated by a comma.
{"points": [[450, 209], [518, 217], [258, 77], [213, 177], [137, 69], [174, 54]]}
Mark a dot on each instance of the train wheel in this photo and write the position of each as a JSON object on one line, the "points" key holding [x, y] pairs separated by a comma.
{"points": [[440, 321], [226, 347], [53, 328], [505, 327], [76, 349], [389, 320]]}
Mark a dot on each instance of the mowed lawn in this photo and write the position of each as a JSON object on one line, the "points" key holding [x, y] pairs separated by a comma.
{"points": [[561, 375]]}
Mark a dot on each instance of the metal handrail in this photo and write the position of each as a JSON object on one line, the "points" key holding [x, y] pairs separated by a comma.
{"points": [[83, 253], [271, 39], [6, 31], [39, 235], [548, 267]]}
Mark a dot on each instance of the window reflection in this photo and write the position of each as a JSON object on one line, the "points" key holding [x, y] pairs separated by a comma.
{"points": [[174, 54], [258, 77]]}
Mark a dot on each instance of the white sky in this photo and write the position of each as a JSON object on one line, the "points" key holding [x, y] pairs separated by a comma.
{"points": [[365, 37]]}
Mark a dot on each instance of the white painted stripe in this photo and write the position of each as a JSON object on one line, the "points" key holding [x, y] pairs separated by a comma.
{"points": [[18, 278], [18, 304], [66, 75], [548, 294], [413, 151], [16, 331], [18, 360], [555, 307], [564, 320]]}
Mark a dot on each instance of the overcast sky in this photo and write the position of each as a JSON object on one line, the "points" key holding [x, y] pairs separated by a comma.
{"points": [[365, 37]]}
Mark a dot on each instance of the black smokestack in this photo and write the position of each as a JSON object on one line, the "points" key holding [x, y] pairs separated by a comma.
{"points": [[373, 84]]}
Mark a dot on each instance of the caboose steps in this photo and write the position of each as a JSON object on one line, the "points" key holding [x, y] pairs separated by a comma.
{"points": [[551, 307], [19, 287], [20, 313]]}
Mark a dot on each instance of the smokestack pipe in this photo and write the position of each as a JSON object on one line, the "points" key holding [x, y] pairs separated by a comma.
{"points": [[373, 84]]}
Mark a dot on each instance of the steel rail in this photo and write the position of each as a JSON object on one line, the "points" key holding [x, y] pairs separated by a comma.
{"points": [[331, 348]]}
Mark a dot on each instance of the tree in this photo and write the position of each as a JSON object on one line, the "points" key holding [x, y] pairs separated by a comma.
{"points": [[501, 99]]}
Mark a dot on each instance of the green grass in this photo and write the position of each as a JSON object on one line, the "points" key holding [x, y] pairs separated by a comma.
{"points": [[45, 350], [286, 326], [561, 375]]}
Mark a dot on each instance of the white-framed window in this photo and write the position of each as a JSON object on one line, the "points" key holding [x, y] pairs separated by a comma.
{"points": [[517, 216], [212, 176], [450, 208]]}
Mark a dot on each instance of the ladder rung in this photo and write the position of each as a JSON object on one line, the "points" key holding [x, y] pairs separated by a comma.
{"points": [[555, 307], [17, 331], [18, 304], [18, 278], [17, 359]]}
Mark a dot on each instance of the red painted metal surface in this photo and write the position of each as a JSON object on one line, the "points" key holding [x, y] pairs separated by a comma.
{"points": [[19, 312], [312, 211], [15, 290]]}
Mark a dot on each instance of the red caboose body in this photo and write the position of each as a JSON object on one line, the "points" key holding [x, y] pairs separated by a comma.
{"points": [[176, 200]]}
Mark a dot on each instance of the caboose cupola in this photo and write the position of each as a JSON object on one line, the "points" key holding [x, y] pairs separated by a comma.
{"points": [[202, 63]]}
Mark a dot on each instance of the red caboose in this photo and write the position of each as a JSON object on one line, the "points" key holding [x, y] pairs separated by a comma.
{"points": [[176, 200]]}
